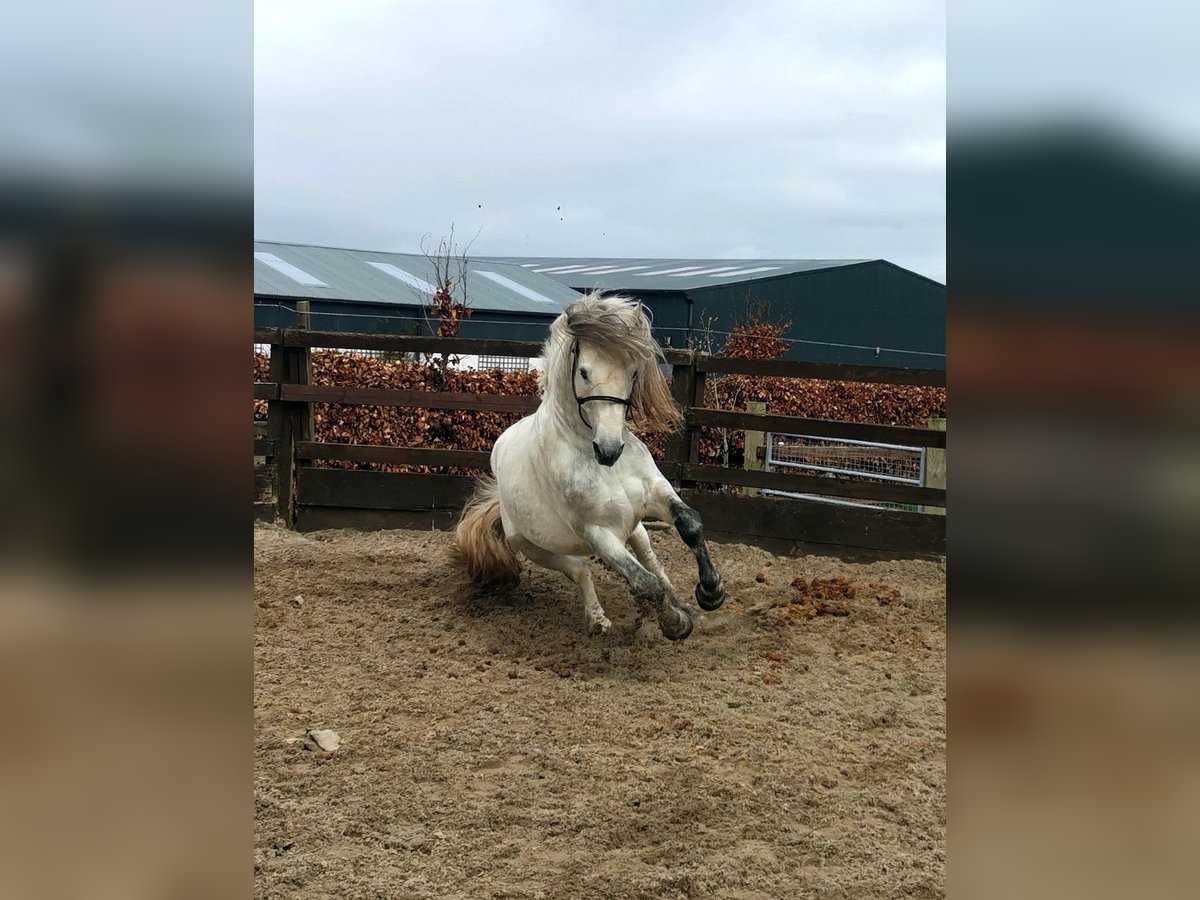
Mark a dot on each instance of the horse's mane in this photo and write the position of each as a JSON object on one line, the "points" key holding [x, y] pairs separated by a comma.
{"points": [[620, 327]]}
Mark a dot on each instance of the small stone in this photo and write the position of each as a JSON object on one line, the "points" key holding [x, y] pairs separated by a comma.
{"points": [[324, 739], [298, 600]]}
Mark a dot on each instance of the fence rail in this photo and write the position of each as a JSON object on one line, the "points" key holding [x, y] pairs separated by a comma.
{"points": [[786, 368], [411, 456], [858, 431], [309, 497], [816, 484], [358, 396]]}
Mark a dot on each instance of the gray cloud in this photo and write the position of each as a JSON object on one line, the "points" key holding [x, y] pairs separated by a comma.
{"points": [[706, 129]]}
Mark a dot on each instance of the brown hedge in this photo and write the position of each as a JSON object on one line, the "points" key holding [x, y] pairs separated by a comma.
{"points": [[466, 430]]}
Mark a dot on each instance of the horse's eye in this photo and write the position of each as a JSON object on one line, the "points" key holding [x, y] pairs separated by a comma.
{"points": [[583, 373]]}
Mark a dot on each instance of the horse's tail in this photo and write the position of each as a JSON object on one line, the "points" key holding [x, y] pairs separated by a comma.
{"points": [[479, 545]]}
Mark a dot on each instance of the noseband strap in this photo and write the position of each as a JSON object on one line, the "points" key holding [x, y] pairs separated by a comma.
{"points": [[580, 401]]}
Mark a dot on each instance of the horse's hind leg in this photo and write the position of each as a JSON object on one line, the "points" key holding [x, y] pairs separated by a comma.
{"points": [[575, 568]]}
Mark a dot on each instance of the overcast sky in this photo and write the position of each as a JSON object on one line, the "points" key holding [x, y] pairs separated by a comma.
{"points": [[702, 129]]}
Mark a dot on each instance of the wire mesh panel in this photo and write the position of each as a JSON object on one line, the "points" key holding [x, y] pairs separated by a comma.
{"points": [[835, 458], [504, 363]]}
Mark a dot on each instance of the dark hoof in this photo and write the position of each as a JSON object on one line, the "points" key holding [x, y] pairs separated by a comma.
{"points": [[710, 600], [676, 626]]}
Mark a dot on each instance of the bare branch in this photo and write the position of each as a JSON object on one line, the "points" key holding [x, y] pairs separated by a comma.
{"points": [[449, 304]]}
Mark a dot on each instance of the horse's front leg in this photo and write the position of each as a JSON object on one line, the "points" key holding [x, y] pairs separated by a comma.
{"points": [[639, 543], [673, 618], [666, 505]]}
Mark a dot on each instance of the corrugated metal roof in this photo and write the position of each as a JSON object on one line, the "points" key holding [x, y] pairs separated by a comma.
{"points": [[627, 274], [309, 272]]}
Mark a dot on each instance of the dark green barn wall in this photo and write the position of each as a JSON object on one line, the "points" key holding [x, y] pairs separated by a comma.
{"points": [[873, 304]]}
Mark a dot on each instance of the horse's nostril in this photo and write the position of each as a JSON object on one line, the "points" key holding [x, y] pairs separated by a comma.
{"points": [[596, 450]]}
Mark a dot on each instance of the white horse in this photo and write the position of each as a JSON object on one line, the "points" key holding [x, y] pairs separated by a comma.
{"points": [[572, 481]]}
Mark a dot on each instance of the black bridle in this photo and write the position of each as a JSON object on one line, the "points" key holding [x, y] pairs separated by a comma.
{"points": [[626, 402]]}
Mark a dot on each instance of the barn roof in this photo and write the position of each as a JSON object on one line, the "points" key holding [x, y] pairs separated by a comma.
{"points": [[308, 272], [631, 274]]}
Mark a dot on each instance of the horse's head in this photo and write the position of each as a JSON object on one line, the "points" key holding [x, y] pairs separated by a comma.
{"points": [[603, 394], [606, 361]]}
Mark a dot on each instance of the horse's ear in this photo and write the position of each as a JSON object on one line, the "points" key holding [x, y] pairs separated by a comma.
{"points": [[646, 315], [563, 322]]}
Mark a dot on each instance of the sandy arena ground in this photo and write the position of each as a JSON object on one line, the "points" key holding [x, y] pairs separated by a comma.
{"points": [[492, 749]]}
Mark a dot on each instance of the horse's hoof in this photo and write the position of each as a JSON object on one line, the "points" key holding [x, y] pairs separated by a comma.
{"points": [[600, 625], [676, 627], [710, 600]]}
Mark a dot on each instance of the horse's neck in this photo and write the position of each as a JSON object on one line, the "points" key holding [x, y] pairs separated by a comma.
{"points": [[558, 410], [558, 416]]}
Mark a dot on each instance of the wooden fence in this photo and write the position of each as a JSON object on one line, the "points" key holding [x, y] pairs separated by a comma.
{"points": [[308, 497]]}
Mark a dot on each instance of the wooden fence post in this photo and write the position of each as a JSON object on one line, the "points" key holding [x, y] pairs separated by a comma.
{"points": [[755, 440], [283, 441], [679, 446], [294, 419], [303, 373], [935, 467], [699, 381]]}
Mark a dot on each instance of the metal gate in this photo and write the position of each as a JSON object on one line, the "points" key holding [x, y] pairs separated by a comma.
{"points": [[835, 457]]}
